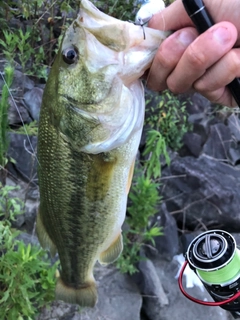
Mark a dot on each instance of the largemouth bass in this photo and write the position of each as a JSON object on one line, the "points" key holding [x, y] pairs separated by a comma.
{"points": [[90, 127]]}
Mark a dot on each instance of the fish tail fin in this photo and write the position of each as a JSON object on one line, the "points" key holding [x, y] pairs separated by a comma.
{"points": [[44, 238], [86, 296]]}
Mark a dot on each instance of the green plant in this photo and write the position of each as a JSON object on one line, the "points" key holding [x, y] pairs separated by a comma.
{"points": [[144, 199], [169, 117], [27, 279], [17, 46], [33, 45], [155, 147], [120, 9], [8, 71], [10, 207], [31, 129]]}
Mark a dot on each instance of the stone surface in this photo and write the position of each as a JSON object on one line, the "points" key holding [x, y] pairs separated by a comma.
{"points": [[234, 126], [33, 100], [154, 297], [179, 306], [167, 244], [58, 311], [21, 83], [26, 220], [234, 153], [22, 149], [218, 142], [17, 113], [203, 192], [118, 299], [192, 144], [28, 238], [195, 103]]}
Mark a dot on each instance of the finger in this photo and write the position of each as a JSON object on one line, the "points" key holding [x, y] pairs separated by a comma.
{"points": [[221, 73], [222, 96], [206, 50], [168, 56], [174, 17]]}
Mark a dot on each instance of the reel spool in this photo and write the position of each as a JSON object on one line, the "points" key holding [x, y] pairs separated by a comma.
{"points": [[214, 258]]}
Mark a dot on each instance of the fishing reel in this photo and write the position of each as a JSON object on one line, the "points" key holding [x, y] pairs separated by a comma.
{"points": [[215, 259]]}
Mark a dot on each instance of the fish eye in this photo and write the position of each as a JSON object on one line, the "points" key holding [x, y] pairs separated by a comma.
{"points": [[70, 55]]}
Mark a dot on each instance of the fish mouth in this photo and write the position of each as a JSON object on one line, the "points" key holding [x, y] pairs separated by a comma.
{"points": [[135, 51]]}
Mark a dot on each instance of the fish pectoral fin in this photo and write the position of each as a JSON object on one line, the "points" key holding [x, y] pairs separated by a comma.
{"points": [[44, 238], [84, 296], [113, 252]]}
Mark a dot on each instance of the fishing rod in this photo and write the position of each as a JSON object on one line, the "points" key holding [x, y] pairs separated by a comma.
{"points": [[200, 16], [215, 259]]}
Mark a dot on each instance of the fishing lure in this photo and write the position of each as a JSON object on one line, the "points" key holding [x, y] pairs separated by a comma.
{"points": [[146, 11]]}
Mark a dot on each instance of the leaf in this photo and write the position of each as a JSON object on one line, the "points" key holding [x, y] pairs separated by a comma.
{"points": [[5, 297]]}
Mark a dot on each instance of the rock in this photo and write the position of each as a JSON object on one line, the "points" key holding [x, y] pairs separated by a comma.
{"points": [[218, 142], [118, 299], [203, 192], [58, 311], [33, 100], [167, 244], [195, 103], [31, 210], [26, 220], [21, 83], [22, 149], [234, 126], [15, 23], [234, 153], [192, 144], [179, 306], [154, 297], [186, 239], [17, 113], [28, 238]]}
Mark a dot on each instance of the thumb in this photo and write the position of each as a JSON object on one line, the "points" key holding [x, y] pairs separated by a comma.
{"points": [[174, 17]]}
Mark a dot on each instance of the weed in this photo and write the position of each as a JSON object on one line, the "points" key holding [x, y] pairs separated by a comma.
{"points": [[33, 45], [4, 114], [155, 147], [169, 117], [31, 129], [144, 199], [120, 9], [27, 279]]}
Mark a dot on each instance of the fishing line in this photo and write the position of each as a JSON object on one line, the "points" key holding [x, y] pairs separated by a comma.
{"points": [[20, 116], [224, 274]]}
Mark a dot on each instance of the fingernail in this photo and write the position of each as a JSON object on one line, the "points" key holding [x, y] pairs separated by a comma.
{"points": [[186, 37], [222, 35]]}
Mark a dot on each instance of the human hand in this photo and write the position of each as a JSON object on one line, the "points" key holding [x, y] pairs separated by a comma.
{"points": [[205, 63]]}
